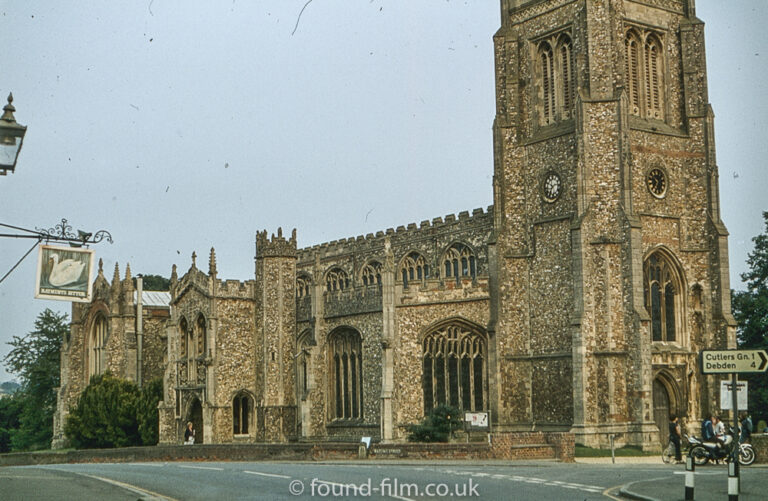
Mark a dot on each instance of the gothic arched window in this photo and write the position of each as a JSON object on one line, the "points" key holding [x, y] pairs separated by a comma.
{"points": [[454, 368], [241, 413], [302, 364], [303, 286], [336, 280], [346, 364], [371, 273], [459, 261], [183, 337], [663, 298], [556, 77], [547, 69], [201, 335], [96, 346], [644, 68], [414, 268]]}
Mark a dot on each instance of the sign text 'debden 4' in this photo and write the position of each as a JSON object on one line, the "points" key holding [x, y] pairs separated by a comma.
{"points": [[730, 361]]}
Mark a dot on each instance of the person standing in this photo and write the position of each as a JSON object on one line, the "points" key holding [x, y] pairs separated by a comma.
{"points": [[746, 427], [675, 436], [189, 434]]}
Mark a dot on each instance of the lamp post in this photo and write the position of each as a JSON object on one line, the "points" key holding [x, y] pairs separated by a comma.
{"points": [[11, 137]]}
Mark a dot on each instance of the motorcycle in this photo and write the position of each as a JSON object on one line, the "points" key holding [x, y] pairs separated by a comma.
{"points": [[704, 452]]}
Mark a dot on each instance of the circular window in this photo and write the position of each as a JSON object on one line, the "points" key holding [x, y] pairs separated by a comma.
{"points": [[656, 181], [552, 187]]}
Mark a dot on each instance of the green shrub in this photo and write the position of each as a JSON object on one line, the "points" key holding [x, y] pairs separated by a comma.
{"points": [[114, 412], [437, 426]]}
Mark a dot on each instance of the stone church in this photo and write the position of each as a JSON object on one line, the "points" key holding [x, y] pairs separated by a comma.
{"points": [[577, 302]]}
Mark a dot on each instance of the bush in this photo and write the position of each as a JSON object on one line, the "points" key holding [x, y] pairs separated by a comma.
{"points": [[114, 412], [437, 426]]}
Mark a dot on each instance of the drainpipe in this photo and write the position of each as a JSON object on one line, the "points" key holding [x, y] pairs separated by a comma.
{"points": [[139, 327]]}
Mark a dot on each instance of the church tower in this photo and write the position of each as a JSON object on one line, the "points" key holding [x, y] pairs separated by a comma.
{"points": [[612, 257]]}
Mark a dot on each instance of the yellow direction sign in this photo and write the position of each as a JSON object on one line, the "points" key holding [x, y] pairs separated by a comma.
{"points": [[730, 361]]}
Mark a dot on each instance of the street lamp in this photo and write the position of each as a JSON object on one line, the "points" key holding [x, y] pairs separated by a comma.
{"points": [[11, 137]]}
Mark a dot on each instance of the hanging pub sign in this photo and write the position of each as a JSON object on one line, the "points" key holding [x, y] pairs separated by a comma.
{"points": [[64, 274]]}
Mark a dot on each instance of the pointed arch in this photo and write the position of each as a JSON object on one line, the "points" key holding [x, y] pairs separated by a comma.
{"points": [[242, 413], [303, 360], [336, 279], [303, 285], [345, 361], [632, 68], [654, 76], [459, 260], [664, 287], [546, 69], [96, 344], [414, 268], [455, 365], [370, 273]]}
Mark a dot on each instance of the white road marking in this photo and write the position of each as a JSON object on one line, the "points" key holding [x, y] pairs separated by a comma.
{"points": [[530, 480], [266, 474], [202, 468]]}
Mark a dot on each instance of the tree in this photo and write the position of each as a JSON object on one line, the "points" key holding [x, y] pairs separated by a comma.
{"points": [[114, 412], [35, 360], [154, 283], [750, 308], [10, 412], [438, 425]]}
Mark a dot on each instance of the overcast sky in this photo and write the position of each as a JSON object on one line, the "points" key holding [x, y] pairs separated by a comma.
{"points": [[178, 126]]}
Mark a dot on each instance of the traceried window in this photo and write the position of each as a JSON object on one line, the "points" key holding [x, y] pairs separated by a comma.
{"points": [[414, 269], [201, 335], [644, 68], [459, 261], [346, 364], [371, 273], [454, 368], [96, 346], [556, 85], [336, 280], [303, 286], [662, 297], [241, 413], [302, 364]]}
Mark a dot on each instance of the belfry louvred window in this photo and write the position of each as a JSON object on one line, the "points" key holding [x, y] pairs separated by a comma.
{"points": [[644, 71], [556, 88]]}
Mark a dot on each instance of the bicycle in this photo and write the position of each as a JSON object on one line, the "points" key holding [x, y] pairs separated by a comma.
{"points": [[668, 453]]}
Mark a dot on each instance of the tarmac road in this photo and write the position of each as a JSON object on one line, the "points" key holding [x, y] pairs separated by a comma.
{"points": [[400, 480]]}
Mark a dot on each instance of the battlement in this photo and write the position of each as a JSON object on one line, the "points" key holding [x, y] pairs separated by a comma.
{"points": [[276, 246], [236, 288], [477, 218]]}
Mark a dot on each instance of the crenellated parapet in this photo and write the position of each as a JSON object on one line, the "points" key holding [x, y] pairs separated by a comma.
{"points": [[403, 234], [276, 246]]}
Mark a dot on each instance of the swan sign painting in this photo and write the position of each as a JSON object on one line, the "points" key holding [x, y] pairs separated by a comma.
{"points": [[64, 273]]}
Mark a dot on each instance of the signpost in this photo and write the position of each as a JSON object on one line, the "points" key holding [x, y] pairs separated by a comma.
{"points": [[733, 362]]}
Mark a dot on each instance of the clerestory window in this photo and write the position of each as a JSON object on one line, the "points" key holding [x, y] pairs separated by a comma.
{"points": [[459, 261], [414, 269], [371, 273], [336, 280]]}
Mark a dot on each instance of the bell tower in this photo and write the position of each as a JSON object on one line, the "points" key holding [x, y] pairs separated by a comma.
{"points": [[612, 257]]}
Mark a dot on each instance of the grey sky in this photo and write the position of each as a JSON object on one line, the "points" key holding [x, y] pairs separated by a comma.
{"points": [[179, 126]]}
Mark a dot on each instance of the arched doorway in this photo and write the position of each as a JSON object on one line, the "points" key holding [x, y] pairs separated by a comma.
{"points": [[661, 410], [195, 414]]}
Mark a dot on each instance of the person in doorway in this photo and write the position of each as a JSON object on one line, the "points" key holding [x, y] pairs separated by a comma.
{"points": [[189, 434], [708, 429], [675, 436]]}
